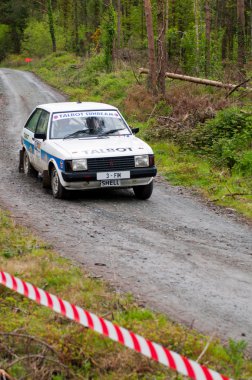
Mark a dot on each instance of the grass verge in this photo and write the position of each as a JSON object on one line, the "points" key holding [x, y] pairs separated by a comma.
{"points": [[36, 343], [182, 168]]}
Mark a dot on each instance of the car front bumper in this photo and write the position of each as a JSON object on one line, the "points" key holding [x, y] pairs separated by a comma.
{"points": [[87, 180]]}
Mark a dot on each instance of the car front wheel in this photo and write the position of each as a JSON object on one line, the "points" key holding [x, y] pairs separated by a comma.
{"points": [[144, 191], [57, 189]]}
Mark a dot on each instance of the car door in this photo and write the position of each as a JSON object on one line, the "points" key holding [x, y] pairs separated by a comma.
{"points": [[28, 133], [41, 129]]}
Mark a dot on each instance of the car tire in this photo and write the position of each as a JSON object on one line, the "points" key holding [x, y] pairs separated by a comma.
{"points": [[28, 169], [58, 190], [143, 192]]}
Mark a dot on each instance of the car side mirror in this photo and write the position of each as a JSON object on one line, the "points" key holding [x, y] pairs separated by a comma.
{"points": [[135, 130], [40, 136]]}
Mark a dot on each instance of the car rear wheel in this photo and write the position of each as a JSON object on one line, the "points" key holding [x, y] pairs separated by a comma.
{"points": [[57, 189], [27, 166], [144, 191]]}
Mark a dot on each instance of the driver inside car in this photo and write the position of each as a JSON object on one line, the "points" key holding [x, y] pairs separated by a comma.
{"points": [[94, 125]]}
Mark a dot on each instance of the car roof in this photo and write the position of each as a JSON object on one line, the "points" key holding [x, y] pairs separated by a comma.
{"points": [[75, 106]]}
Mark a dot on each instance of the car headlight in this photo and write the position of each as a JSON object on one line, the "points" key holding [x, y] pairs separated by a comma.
{"points": [[79, 165], [142, 161]]}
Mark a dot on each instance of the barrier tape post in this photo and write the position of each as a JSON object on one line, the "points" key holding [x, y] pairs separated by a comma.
{"points": [[119, 334]]}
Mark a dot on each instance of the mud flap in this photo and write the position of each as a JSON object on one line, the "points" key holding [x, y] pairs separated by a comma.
{"points": [[46, 179], [21, 161]]}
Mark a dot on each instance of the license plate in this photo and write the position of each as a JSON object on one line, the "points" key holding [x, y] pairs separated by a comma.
{"points": [[110, 183], [112, 175]]}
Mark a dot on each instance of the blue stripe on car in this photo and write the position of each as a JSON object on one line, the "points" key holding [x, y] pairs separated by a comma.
{"points": [[47, 157], [29, 146], [44, 155]]}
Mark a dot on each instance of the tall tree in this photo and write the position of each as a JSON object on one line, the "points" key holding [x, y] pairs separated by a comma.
{"points": [[208, 37], [109, 31], [51, 24], [15, 15], [118, 24], [75, 26], [250, 27], [161, 48], [152, 79], [241, 58], [196, 18]]}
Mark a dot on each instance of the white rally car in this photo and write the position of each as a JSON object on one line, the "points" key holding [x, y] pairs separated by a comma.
{"points": [[78, 146]]}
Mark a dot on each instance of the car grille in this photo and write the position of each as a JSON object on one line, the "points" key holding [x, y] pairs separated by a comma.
{"points": [[111, 163]]}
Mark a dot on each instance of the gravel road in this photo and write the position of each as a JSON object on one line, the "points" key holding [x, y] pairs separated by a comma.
{"points": [[173, 252]]}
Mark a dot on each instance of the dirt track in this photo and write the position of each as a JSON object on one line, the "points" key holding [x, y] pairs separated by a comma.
{"points": [[173, 252]]}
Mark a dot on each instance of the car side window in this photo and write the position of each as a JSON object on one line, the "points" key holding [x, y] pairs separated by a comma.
{"points": [[33, 120], [43, 122]]}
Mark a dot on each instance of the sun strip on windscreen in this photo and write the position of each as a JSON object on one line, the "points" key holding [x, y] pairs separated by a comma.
{"points": [[70, 115]]}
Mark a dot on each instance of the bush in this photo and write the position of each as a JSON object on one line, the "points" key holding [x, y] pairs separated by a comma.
{"points": [[227, 139], [244, 165]]}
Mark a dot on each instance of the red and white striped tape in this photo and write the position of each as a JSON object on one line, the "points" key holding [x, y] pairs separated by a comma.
{"points": [[119, 334]]}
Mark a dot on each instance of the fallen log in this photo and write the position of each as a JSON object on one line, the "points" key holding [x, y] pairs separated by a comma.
{"points": [[207, 82]]}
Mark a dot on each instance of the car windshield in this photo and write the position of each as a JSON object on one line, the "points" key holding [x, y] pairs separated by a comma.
{"points": [[70, 125]]}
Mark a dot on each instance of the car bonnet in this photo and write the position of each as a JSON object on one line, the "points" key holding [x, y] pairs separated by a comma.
{"points": [[102, 147]]}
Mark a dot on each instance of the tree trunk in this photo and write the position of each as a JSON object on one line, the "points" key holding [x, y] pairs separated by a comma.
{"points": [[241, 59], [51, 25], [197, 80], [196, 19], [223, 20], [152, 80], [167, 26], [65, 15], [250, 8], [118, 24], [15, 36], [75, 27], [143, 24], [161, 53], [208, 38]]}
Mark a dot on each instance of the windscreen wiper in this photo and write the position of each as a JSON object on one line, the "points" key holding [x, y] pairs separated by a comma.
{"points": [[111, 131], [76, 134]]}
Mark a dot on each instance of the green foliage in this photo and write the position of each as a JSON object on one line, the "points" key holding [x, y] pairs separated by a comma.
{"points": [[236, 352], [227, 139], [5, 41], [216, 68], [112, 87], [162, 108], [37, 39], [76, 26], [108, 30], [15, 15], [94, 10], [51, 24], [88, 75], [244, 165]]}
